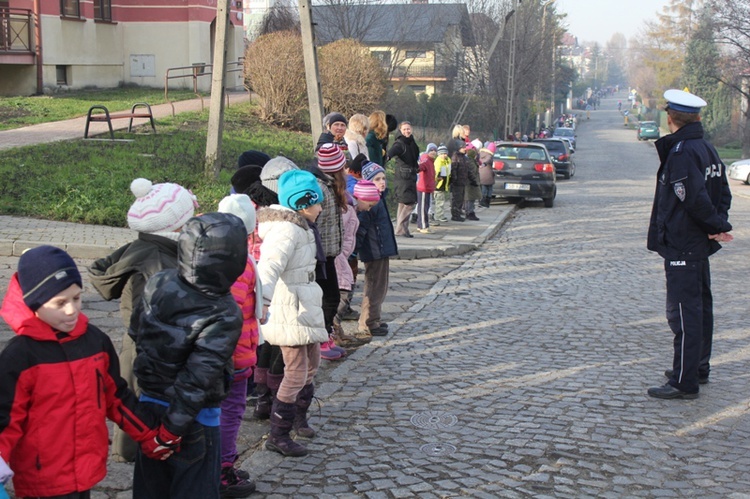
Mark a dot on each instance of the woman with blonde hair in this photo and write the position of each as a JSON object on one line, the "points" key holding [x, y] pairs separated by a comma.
{"points": [[377, 138], [355, 135]]}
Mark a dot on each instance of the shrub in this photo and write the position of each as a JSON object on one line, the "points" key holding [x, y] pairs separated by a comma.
{"points": [[352, 80], [275, 70]]}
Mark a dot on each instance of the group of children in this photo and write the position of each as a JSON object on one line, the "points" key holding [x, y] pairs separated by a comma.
{"points": [[209, 301], [255, 291]]}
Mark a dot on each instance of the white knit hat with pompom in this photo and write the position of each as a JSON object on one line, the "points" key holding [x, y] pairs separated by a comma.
{"points": [[160, 207]]}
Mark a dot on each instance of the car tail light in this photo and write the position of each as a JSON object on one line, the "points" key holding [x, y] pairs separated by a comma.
{"points": [[498, 165], [544, 167], [562, 157]]}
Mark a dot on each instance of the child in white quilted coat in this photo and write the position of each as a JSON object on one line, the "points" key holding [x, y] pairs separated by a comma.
{"points": [[292, 302]]}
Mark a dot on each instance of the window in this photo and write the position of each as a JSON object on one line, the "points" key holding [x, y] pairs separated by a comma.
{"points": [[103, 10], [70, 8], [416, 54], [62, 74], [384, 56], [418, 88]]}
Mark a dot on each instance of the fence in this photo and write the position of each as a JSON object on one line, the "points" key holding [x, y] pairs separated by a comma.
{"points": [[194, 72]]}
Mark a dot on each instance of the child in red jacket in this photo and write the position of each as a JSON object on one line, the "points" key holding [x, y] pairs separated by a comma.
{"points": [[59, 381]]}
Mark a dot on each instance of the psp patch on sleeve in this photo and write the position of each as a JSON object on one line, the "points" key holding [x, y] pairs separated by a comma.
{"points": [[679, 190]]}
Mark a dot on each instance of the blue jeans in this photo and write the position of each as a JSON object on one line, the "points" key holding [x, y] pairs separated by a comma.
{"points": [[194, 472], [487, 191]]}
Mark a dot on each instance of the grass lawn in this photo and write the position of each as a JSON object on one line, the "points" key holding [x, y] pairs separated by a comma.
{"points": [[16, 112], [729, 154], [88, 182]]}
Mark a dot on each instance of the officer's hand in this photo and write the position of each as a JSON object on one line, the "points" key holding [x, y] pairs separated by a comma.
{"points": [[722, 237]]}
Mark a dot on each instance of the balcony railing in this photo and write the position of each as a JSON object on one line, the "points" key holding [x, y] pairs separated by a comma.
{"points": [[16, 30], [422, 71]]}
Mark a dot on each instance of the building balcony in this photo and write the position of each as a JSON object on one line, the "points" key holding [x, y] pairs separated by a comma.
{"points": [[16, 35], [422, 72]]}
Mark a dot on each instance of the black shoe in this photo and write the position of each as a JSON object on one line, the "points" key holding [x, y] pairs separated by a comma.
{"points": [[232, 485], [377, 331], [458, 219], [404, 235], [384, 325], [668, 391], [702, 380], [413, 218], [472, 216]]}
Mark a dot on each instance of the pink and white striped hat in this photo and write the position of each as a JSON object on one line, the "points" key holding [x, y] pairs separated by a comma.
{"points": [[330, 158], [160, 207]]}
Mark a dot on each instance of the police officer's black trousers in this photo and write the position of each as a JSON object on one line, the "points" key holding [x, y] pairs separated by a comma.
{"points": [[691, 318]]}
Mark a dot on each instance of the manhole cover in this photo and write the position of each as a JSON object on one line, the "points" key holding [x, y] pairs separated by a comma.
{"points": [[438, 449], [434, 420]]}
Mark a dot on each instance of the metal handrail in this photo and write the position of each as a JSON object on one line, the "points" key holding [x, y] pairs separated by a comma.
{"points": [[196, 71], [15, 30]]}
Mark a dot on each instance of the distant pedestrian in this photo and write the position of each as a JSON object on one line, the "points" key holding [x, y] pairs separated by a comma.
{"points": [[377, 138], [425, 187], [356, 132], [688, 221], [376, 243], [334, 125], [442, 182], [459, 179], [405, 152], [486, 173]]}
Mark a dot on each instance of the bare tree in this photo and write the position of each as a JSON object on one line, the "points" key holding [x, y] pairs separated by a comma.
{"points": [[283, 16]]}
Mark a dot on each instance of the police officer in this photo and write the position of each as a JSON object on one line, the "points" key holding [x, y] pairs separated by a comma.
{"points": [[688, 221]]}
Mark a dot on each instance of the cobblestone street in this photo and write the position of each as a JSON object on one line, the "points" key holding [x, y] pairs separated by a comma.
{"points": [[521, 369], [524, 371]]}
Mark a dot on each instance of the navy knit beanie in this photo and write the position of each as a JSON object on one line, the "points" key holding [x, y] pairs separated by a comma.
{"points": [[251, 157], [43, 273]]}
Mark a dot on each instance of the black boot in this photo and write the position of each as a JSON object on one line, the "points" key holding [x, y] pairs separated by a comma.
{"points": [[265, 396], [304, 399], [282, 420]]}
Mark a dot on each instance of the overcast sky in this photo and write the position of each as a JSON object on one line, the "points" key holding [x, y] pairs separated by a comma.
{"points": [[598, 20]]}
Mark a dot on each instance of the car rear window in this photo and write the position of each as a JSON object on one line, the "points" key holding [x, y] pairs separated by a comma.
{"points": [[520, 152], [554, 146]]}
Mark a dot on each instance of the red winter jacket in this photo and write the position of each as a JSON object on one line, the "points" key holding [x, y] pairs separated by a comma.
{"points": [[56, 389], [245, 353], [426, 181]]}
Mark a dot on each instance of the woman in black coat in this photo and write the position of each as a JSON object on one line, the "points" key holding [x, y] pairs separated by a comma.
{"points": [[405, 152]]}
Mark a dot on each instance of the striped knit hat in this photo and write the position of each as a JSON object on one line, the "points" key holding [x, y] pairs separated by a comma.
{"points": [[160, 207], [330, 158], [364, 190]]}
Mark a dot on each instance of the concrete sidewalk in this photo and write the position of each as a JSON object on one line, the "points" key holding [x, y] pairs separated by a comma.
{"points": [[96, 241], [73, 128]]}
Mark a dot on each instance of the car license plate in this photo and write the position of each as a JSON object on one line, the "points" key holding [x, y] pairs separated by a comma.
{"points": [[518, 187]]}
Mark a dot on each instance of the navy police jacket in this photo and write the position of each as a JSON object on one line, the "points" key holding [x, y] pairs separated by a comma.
{"points": [[692, 197]]}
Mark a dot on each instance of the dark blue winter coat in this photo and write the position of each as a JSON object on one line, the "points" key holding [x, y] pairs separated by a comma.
{"points": [[375, 236], [692, 197]]}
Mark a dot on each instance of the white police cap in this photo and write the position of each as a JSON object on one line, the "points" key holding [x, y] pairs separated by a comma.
{"points": [[679, 100]]}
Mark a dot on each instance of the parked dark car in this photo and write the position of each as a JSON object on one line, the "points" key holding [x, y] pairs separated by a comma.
{"points": [[561, 155], [566, 133], [647, 130], [524, 170]]}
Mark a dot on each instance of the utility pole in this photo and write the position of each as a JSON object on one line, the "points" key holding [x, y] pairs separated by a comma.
{"points": [[216, 111], [510, 91], [314, 97]]}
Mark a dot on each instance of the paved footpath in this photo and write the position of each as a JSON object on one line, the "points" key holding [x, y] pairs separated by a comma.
{"points": [[74, 128]]}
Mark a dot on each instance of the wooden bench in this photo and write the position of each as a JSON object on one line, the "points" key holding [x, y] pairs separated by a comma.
{"points": [[144, 112]]}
